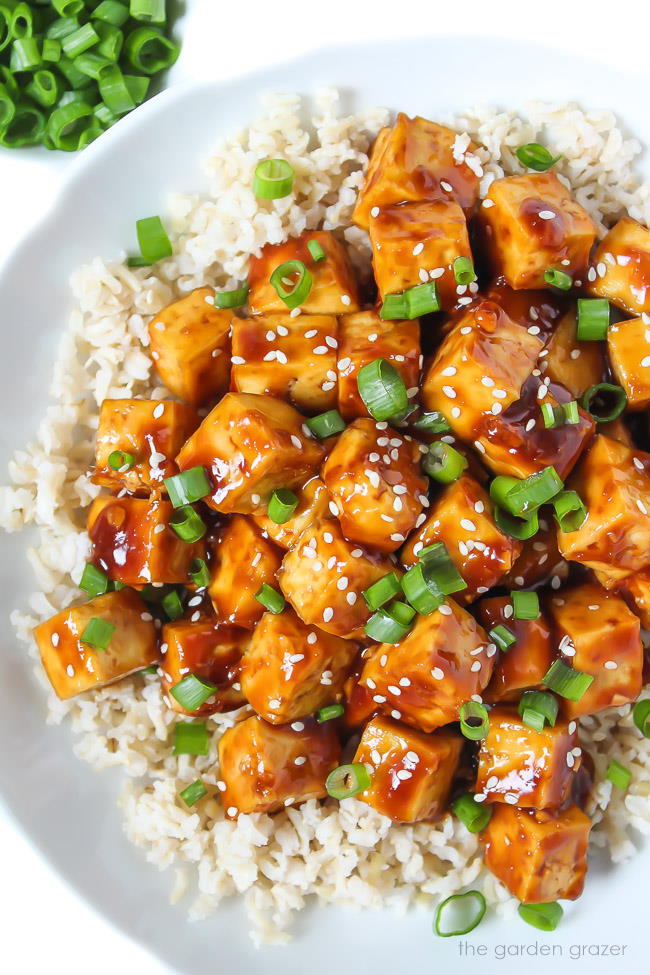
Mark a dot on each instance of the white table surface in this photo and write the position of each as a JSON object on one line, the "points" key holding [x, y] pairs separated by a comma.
{"points": [[43, 922]]}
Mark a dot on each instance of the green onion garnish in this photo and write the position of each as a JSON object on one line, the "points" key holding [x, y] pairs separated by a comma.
{"points": [[188, 524], [329, 712], [199, 573], [270, 598], [421, 299], [604, 402], [193, 793], [558, 279], [473, 815], [68, 124], [190, 739], [394, 307], [536, 157], [391, 623], [432, 423], [519, 528], [149, 51], [94, 582], [150, 11], [326, 424], [618, 774], [570, 511], [273, 179], [347, 780], [97, 633], [421, 590], [444, 463], [117, 97], [25, 55], [593, 319], [171, 603], [191, 692], [567, 682], [503, 637], [111, 12], [68, 8], [522, 498], [525, 605], [382, 389], [474, 720], [152, 239], [282, 505], [382, 591], [460, 914], [464, 272], [539, 703], [641, 716], [79, 40], [232, 299], [440, 569], [545, 917], [292, 293], [559, 416], [188, 487], [316, 251]]}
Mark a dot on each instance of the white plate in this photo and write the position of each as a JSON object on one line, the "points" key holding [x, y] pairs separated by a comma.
{"points": [[66, 809]]}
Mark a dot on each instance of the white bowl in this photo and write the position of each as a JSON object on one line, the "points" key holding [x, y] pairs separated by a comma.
{"points": [[66, 809]]}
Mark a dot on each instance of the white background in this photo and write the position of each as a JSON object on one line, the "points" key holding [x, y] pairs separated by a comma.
{"points": [[43, 924]]}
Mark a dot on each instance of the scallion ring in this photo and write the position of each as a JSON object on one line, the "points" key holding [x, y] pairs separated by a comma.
{"points": [[149, 51], [193, 793], [347, 781], [382, 389], [641, 716], [94, 582], [316, 251], [121, 461], [432, 423], [525, 605], [199, 573], [519, 528], [474, 720], [545, 917], [97, 633], [192, 693], [270, 598], [537, 157], [464, 272], [444, 463], [604, 402], [172, 605], [292, 293], [570, 511], [540, 703], [391, 623], [618, 774], [232, 299], [273, 179], [188, 524], [329, 712], [421, 590], [188, 486], [326, 424], [153, 240], [558, 279], [282, 505], [440, 569], [567, 682], [593, 319], [473, 815], [460, 914], [503, 637], [191, 739], [382, 591]]}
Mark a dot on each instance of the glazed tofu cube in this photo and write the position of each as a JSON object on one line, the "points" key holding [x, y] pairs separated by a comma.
{"points": [[479, 368], [364, 338], [291, 358], [74, 666], [190, 346], [573, 364], [134, 543], [599, 635], [628, 344], [250, 445], [538, 310], [358, 702], [539, 560], [416, 242], [416, 159], [462, 517], [313, 505], [445, 659], [333, 290], [539, 855], [620, 268], [153, 431], [375, 480], [526, 662], [265, 767], [243, 561], [532, 223], [411, 772], [636, 589], [210, 651], [524, 767], [323, 578], [613, 480], [291, 669]]}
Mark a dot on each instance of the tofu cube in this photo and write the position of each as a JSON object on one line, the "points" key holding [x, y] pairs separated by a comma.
{"points": [[190, 347], [599, 635], [364, 338], [333, 290], [539, 855], [210, 651], [628, 344], [375, 480], [532, 223], [524, 767], [74, 667], [444, 660], [358, 702], [243, 561], [620, 268], [525, 663], [538, 310], [411, 772], [291, 669], [539, 560], [323, 578], [153, 431], [572, 364], [313, 504], [613, 480], [265, 767], [479, 368], [416, 159], [134, 543], [291, 358], [250, 445], [416, 242], [636, 590], [462, 517]]}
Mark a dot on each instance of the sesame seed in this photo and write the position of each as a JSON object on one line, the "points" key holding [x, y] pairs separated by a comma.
{"points": [[159, 410], [320, 350], [379, 699], [300, 760], [638, 463], [146, 617], [232, 810], [404, 773], [476, 666], [640, 505], [311, 333], [487, 204], [445, 610], [570, 760], [342, 583], [572, 727], [449, 371], [296, 441], [510, 799], [418, 249], [396, 714], [328, 613], [298, 726], [374, 212], [237, 360], [69, 670], [55, 639], [449, 392], [351, 598], [394, 689], [546, 215], [468, 525], [345, 299], [611, 665], [601, 269]]}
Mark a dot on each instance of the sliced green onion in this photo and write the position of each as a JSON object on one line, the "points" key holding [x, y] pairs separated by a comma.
{"points": [[188, 487], [270, 599], [382, 389], [520, 528], [76, 79], [68, 8], [545, 917], [97, 633], [190, 739], [618, 774], [503, 637], [391, 623], [641, 716], [121, 460], [559, 416], [282, 505], [295, 294], [94, 582], [570, 511], [525, 605], [316, 251], [171, 603], [111, 12], [443, 462], [191, 692], [432, 423], [187, 524], [273, 179], [421, 299], [326, 424], [329, 712], [104, 115], [149, 51], [604, 402], [474, 720], [149, 670], [44, 88], [593, 319], [153, 240], [460, 914], [533, 719], [567, 682], [464, 272], [22, 20], [91, 64], [51, 50], [421, 591], [115, 93], [26, 127], [473, 815], [24, 54], [382, 591], [7, 106], [522, 498], [394, 308], [537, 157], [347, 780], [193, 793], [440, 570], [541, 703], [79, 41], [150, 11], [199, 573], [137, 87], [558, 279], [61, 27], [232, 299]]}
